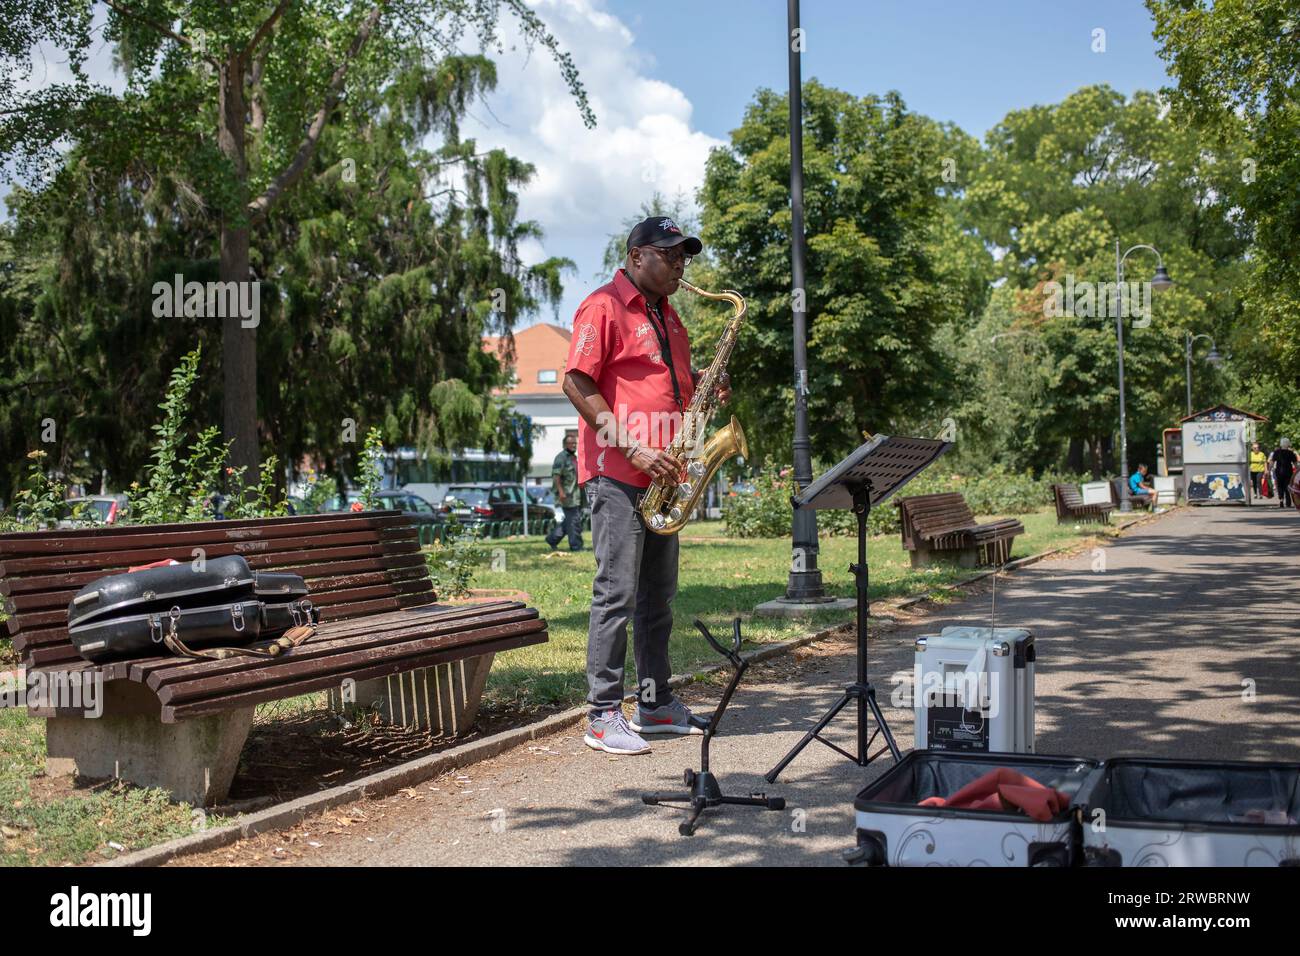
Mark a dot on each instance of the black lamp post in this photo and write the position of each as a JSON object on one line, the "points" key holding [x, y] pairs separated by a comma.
{"points": [[805, 584], [1160, 282]]}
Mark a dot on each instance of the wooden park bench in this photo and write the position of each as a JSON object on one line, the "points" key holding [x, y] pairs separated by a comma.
{"points": [[943, 524], [1070, 506], [1117, 495], [180, 724]]}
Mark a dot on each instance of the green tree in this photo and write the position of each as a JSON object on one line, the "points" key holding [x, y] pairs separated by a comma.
{"points": [[385, 267], [878, 288], [1236, 67], [1057, 186], [232, 101]]}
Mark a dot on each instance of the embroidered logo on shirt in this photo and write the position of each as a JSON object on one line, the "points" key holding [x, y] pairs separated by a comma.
{"points": [[586, 338], [656, 357], [643, 329]]}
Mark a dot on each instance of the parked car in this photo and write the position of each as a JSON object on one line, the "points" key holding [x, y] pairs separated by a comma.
{"points": [[481, 502], [413, 505], [94, 509], [431, 491], [541, 496]]}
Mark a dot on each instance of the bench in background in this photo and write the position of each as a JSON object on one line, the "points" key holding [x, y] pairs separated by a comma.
{"points": [[1070, 506], [942, 524]]}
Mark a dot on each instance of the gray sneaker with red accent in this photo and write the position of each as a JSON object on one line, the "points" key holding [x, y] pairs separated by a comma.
{"points": [[672, 718], [609, 732]]}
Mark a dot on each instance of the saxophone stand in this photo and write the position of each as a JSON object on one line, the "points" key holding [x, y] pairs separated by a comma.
{"points": [[704, 791], [882, 465]]}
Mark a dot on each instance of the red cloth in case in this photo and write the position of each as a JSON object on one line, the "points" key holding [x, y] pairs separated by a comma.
{"points": [[1005, 789]]}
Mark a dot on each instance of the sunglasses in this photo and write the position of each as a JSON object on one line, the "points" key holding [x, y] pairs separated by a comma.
{"points": [[671, 255]]}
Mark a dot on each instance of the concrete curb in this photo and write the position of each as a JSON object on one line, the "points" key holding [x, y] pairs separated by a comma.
{"points": [[389, 781]]}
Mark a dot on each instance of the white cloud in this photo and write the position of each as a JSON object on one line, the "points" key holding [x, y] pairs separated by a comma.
{"points": [[588, 181]]}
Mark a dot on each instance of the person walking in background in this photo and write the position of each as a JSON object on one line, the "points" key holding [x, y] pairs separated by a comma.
{"points": [[1282, 463], [564, 477], [1258, 467]]}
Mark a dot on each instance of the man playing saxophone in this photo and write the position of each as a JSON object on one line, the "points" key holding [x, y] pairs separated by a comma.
{"points": [[629, 376]]}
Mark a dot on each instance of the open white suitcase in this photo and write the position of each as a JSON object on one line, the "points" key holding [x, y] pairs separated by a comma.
{"points": [[1155, 812], [892, 830]]}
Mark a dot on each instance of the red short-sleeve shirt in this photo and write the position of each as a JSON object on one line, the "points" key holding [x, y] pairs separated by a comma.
{"points": [[615, 343]]}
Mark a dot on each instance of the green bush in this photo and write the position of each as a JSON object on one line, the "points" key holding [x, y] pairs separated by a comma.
{"points": [[453, 559], [183, 475], [767, 513], [41, 504]]}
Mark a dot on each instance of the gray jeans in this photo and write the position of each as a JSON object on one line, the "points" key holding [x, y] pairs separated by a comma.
{"points": [[636, 580], [571, 526]]}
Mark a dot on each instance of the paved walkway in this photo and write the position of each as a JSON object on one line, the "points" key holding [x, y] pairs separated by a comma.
{"points": [[1146, 654]]}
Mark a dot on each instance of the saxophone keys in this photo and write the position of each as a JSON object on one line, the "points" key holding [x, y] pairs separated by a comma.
{"points": [[675, 515], [657, 521], [684, 490], [695, 469]]}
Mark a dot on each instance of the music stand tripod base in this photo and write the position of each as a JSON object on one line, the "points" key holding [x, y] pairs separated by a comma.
{"points": [[703, 789], [867, 477]]}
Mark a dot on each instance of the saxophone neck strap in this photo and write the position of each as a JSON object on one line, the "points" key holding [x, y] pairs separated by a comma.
{"points": [[665, 348]]}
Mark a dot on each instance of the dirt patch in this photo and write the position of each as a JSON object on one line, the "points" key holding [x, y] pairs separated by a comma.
{"points": [[292, 756]]}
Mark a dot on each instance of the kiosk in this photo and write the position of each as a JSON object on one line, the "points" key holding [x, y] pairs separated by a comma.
{"points": [[1216, 455]]}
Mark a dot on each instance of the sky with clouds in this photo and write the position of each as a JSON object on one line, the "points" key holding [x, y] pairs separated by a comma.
{"points": [[669, 79]]}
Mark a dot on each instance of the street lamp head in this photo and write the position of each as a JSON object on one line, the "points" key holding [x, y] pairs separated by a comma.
{"points": [[1161, 280], [1214, 358]]}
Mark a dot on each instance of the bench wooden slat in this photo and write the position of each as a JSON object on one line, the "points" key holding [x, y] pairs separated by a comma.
{"points": [[325, 599], [156, 671], [74, 581], [272, 552], [130, 537], [344, 576], [328, 656], [518, 635]]}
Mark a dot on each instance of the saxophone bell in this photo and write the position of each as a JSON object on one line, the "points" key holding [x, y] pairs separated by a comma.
{"points": [[666, 506]]}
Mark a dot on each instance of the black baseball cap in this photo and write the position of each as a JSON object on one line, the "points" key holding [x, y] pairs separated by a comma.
{"points": [[663, 232]]}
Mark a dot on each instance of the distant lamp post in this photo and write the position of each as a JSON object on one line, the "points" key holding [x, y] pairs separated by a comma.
{"points": [[1214, 358], [1160, 282]]}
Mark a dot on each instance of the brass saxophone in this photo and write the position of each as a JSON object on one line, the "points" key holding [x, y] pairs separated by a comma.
{"points": [[666, 507]]}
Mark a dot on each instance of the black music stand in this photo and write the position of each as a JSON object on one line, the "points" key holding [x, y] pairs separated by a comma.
{"points": [[869, 476]]}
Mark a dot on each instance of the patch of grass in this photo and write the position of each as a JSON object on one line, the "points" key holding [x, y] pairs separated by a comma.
{"points": [[76, 825]]}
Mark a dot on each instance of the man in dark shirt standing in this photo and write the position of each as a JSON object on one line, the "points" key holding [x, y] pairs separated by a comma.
{"points": [[564, 476], [1283, 461]]}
